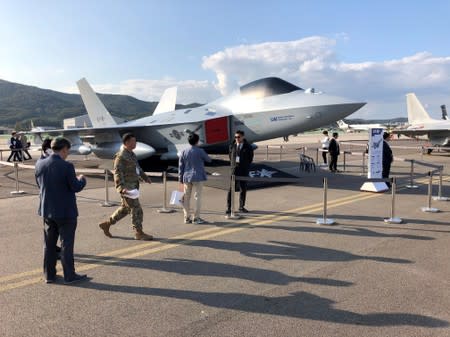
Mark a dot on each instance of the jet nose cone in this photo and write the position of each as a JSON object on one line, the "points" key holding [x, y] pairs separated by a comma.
{"points": [[355, 106], [346, 109]]}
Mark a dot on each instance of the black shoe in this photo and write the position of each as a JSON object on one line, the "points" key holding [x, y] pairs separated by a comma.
{"points": [[243, 210], [228, 212], [50, 280], [76, 278]]}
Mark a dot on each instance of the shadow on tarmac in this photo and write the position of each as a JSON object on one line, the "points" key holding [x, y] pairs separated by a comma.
{"points": [[357, 231], [298, 304], [210, 269], [289, 251], [276, 250], [344, 217]]}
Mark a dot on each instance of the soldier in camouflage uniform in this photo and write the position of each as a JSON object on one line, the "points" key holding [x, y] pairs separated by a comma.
{"points": [[127, 173]]}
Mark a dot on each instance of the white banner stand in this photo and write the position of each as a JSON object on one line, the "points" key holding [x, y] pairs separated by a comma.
{"points": [[375, 162], [374, 186]]}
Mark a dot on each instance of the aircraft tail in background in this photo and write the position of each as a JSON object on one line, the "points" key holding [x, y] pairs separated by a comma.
{"points": [[167, 102], [98, 114], [342, 125], [444, 112], [416, 111]]}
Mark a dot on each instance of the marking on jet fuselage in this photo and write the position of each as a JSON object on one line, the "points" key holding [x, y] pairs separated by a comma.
{"points": [[281, 118]]}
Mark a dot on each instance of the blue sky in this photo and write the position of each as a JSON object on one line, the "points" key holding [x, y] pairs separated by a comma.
{"points": [[375, 52]]}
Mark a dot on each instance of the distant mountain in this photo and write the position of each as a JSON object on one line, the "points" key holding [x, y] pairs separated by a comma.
{"points": [[19, 104]]}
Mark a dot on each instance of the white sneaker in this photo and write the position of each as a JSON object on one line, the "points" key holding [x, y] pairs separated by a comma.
{"points": [[199, 221], [187, 220]]}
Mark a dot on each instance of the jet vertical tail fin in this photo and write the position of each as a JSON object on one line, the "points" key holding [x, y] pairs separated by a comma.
{"points": [[342, 125], [97, 112], [416, 111], [444, 112], [167, 101]]}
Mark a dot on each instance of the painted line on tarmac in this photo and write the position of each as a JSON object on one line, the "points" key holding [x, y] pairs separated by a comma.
{"points": [[191, 237], [108, 254], [118, 252], [240, 226]]}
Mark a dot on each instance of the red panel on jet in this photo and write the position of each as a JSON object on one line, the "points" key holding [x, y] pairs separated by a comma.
{"points": [[216, 130]]}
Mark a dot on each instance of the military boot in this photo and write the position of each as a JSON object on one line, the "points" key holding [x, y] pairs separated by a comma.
{"points": [[105, 227], [140, 235]]}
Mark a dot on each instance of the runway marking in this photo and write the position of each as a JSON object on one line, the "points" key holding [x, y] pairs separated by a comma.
{"points": [[208, 233]]}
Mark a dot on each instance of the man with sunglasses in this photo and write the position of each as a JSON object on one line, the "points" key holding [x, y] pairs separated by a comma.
{"points": [[241, 156]]}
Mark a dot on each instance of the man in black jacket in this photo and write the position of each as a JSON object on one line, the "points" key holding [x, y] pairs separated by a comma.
{"points": [[15, 145], [241, 156], [388, 158], [333, 150]]}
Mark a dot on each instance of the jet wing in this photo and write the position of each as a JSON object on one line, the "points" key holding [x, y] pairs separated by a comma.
{"points": [[162, 133], [194, 115]]}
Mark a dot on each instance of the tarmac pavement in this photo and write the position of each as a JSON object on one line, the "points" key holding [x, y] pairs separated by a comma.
{"points": [[274, 272]]}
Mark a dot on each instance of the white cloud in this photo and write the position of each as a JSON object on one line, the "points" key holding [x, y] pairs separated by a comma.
{"points": [[312, 62], [238, 65]]}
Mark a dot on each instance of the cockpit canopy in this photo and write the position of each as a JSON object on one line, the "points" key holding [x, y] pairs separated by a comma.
{"points": [[269, 86]]}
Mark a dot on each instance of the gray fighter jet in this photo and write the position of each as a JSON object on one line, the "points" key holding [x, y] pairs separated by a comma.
{"points": [[264, 109]]}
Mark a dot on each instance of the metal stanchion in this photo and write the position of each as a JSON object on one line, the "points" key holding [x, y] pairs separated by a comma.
{"points": [[106, 203], [411, 181], [324, 220], [363, 163], [393, 218], [233, 215], [430, 187], [281, 151], [165, 209], [317, 156], [16, 173], [344, 160], [440, 197], [267, 152]]}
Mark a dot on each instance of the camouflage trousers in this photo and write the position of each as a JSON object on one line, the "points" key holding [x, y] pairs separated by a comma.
{"points": [[129, 206]]}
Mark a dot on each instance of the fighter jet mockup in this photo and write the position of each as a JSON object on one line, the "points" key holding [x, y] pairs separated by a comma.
{"points": [[264, 109], [420, 123]]}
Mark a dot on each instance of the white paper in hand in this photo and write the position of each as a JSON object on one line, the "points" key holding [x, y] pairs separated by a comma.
{"points": [[132, 194], [176, 198]]}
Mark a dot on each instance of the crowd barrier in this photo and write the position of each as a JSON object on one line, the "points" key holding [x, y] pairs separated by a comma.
{"points": [[234, 215]]}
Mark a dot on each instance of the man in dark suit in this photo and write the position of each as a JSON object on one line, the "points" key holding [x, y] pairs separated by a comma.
{"points": [[15, 146], [388, 158], [58, 184], [333, 150], [241, 156]]}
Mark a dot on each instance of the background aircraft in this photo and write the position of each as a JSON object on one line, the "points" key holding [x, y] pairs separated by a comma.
{"points": [[420, 123], [264, 109], [357, 127], [444, 112]]}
